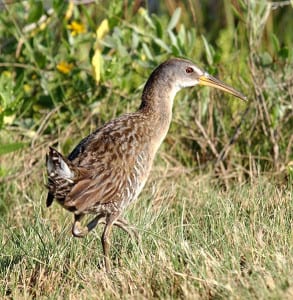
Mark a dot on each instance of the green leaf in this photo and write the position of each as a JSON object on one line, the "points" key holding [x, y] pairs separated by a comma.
{"points": [[175, 51], [60, 7], [135, 40], [173, 38], [159, 28], [149, 20], [35, 12], [7, 148], [276, 42], [208, 50], [40, 59], [182, 35], [284, 52], [147, 51], [175, 18], [162, 44]]}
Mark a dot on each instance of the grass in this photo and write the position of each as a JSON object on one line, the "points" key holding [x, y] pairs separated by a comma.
{"points": [[198, 241]]}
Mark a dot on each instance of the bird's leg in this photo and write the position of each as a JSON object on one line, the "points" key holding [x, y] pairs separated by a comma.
{"points": [[79, 231], [106, 241], [123, 224]]}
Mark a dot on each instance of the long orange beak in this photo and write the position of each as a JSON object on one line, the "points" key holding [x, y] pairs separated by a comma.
{"points": [[209, 80]]}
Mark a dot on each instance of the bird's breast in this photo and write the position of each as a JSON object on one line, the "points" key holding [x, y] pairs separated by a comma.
{"points": [[135, 178]]}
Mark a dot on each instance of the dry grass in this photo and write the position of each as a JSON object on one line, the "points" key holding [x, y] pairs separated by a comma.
{"points": [[198, 241]]}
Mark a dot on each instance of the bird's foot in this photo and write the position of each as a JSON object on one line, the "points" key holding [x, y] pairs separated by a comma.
{"points": [[78, 230], [131, 230]]}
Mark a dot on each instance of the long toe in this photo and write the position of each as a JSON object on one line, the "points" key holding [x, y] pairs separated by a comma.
{"points": [[131, 230]]}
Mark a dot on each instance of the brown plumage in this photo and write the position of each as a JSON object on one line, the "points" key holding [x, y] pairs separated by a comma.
{"points": [[109, 168]]}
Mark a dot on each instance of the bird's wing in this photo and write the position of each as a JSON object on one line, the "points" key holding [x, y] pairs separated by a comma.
{"points": [[110, 156], [104, 158], [105, 188], [79, 149], [100, 138]]}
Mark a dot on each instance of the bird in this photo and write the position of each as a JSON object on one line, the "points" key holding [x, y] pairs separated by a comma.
{"points": [[108, 169]]}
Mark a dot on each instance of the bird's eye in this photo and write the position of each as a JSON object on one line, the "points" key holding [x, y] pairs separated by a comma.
{"points": [[189, 70]]}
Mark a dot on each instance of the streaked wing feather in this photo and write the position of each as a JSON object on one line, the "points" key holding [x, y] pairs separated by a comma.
{"points": [[105, 162], [89, 193]]}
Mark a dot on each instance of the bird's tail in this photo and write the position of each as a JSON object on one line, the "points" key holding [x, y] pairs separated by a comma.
{"points": [[60, 176]]}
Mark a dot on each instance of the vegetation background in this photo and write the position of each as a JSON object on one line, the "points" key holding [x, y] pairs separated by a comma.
{"points": [[216, 215]]}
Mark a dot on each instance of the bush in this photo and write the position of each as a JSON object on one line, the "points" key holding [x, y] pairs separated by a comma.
{"points": [[69, 68]]}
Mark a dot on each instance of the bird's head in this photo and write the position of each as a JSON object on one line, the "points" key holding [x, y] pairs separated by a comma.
{"points": [[184, 73]]}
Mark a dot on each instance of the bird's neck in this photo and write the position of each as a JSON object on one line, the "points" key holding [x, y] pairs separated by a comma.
{"points": [[157, 102]]}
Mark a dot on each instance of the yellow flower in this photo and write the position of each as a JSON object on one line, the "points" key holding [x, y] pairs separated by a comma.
{"points": [[7, 74], [27, 88], [64, 67], [143, 57], [76, 28], [142, 11]]}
